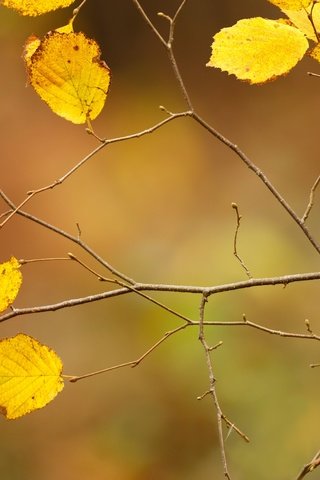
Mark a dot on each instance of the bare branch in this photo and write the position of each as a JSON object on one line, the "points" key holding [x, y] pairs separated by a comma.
{"points": [[212, 389], [104, 143], [77, 10], [131, 288], [133, 363], [311, 199], [168, 46], [22, 261], [310, 467], [179, 10], [262, 177], [271, 331], [75, 239], [149, 22], [235, 252], [258, 282]]}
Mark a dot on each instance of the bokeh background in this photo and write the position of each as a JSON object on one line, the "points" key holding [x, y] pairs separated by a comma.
{"points": [[159, 209]]}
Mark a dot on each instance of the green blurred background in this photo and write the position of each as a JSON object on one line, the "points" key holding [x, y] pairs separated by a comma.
{"points": [[159, 209]]}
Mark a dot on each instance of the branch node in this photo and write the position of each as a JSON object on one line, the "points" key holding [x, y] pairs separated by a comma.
{"points": [[79, 231], [307, 323], [214, 347], [164, 15], [201, 397]]}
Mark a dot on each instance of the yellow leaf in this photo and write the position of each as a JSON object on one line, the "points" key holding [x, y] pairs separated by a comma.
{"points": [[10, 282], [67, 73], [257, 49], [291, 4], [315, 53], [66, 28], [30, 47], [30, 375], [301, 20], [36, 7]]}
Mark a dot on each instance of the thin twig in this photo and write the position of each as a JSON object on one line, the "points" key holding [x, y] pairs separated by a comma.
{"points": [[149, 22], [133, 363], [311, 199], [104, 143], [75, 239], [311, 20], [212, 388], [259, 173], [168, 46], [77, 9], [271, 331], [315, 462], [286, 279], [234, 427], [179, 10], [131, 288], [235, 251], [23, 261], [4, 214]]}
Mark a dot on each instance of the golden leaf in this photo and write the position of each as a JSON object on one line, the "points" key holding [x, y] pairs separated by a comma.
{"points": [[291, 4], [67, 73], [10, 282], [302, 21], [315, 52], [30, 375], [30, 48], [36, 7], [257, 49]]}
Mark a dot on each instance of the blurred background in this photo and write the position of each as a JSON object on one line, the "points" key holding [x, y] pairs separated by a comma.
{"points": [[159, 209]]}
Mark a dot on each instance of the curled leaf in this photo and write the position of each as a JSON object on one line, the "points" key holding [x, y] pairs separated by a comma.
{"points": [[30, 375], [257, 49], [35, 7], [10, 282], [66, 71]]}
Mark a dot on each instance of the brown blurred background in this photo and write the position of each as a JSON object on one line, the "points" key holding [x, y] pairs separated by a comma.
{"points": [[159, 209]]}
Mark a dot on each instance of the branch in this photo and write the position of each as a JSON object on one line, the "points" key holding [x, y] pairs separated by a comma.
{"points": [[258, 282], [271, 331], [131, 288], [315, 462], [149, 22], [78, 8], [168, 45], [259, 173], [77, 240], [104, 143], [133, 363], [311, 198], [311, 19], [235, 252], [212, 389]]}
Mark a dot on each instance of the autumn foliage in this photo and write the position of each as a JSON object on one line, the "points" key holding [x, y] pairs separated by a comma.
{"points": [[66, 70]]}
